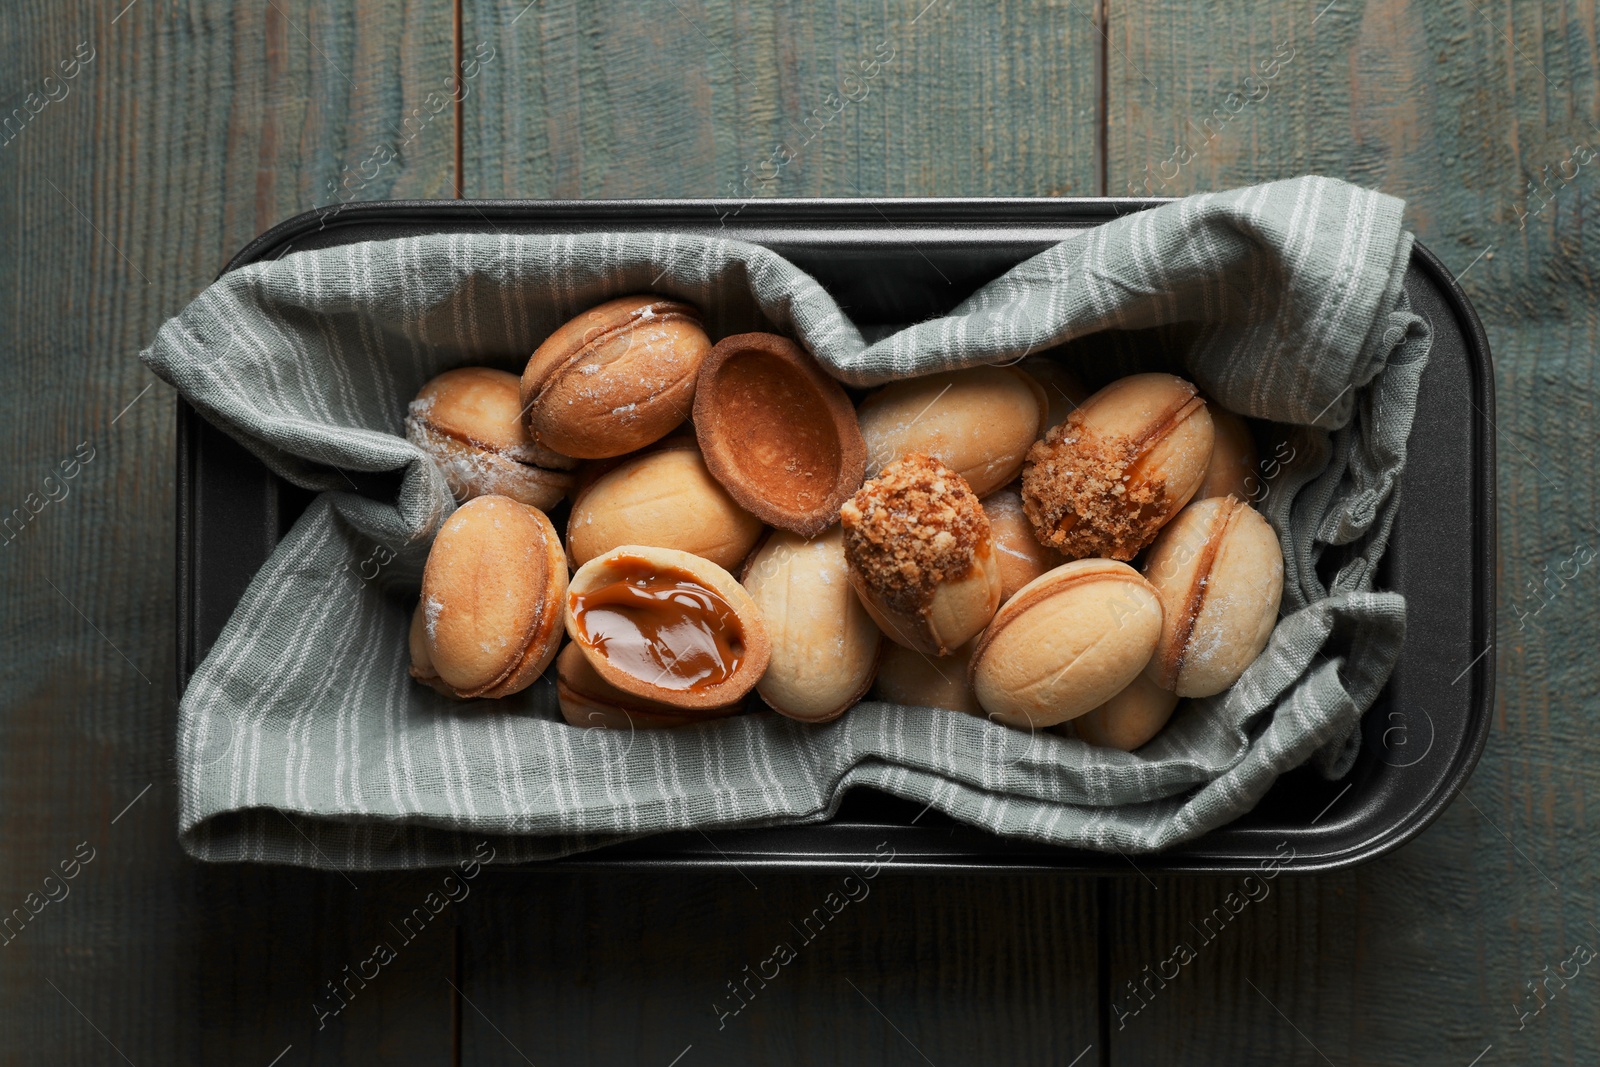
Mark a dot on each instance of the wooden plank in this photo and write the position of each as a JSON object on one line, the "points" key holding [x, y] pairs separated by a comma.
{"points": [[1426, 955], [598, 100], [694, 99], [181, 132], [885, 968], [1182, 965]]}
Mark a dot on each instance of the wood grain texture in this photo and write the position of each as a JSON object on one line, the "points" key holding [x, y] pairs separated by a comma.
{"points": [[697, 98], [1427, 955], [903, 969], [197, 125], [192, 127]]}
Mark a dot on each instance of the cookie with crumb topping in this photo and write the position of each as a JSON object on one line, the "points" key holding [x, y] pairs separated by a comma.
{"points": [[921, 555], [1104, 482]]}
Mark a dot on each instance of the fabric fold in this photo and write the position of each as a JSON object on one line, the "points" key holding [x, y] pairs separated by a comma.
{"points": [[302, 740]]}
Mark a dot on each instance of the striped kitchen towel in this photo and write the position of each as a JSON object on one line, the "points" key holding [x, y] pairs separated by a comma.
{"points": [[302, 740]]}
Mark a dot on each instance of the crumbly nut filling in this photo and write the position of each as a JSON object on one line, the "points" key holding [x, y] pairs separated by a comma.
{"points": [[916, 525], [1078, 492]]}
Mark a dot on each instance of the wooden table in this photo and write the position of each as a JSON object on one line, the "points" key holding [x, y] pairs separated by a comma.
{"points": [[187, 126]]}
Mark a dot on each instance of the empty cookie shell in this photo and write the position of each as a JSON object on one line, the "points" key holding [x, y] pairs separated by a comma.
{"points": [[1066, 643], [616, 378], [667, 499], [978, 422], [1104, 482], [492, 596], [667, 626], [777, 432], [470, 421], [588, 701], [1218, 569]]}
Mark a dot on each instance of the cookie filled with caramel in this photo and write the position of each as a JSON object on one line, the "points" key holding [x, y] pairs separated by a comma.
{"points": [[667, 626], [589, 701]]}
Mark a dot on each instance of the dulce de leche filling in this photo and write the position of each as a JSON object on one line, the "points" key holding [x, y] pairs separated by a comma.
{"points": [[660, 624]]}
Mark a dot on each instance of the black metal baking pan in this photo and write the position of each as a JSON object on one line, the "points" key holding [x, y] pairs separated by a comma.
{"points": [[892, 262]]}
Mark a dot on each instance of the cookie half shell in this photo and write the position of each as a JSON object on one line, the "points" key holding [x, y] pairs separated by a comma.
{"points": [[667, 626], [777, 432]]}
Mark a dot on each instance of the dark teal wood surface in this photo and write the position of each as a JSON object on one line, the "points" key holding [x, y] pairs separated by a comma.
{"points": [[193, 127], [197, 124], [1469, 112]]}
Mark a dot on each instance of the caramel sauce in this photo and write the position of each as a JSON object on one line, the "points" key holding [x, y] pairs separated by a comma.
{"points": [[662, 625]]}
